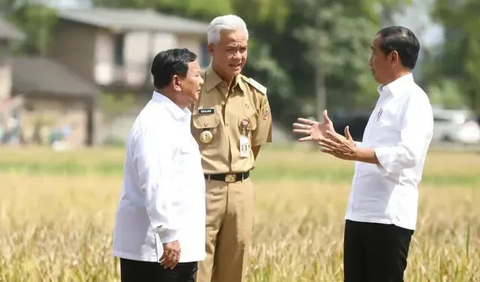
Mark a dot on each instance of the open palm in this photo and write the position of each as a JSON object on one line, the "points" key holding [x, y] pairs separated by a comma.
{"points": [[313, 130]]}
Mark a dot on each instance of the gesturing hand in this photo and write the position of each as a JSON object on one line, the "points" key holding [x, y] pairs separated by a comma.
{"points": [[171, 255], [339, 146], [313, 130]]}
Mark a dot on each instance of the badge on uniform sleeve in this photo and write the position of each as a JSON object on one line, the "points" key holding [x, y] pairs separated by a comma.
{"points": [[266, 109], [206, 137]]}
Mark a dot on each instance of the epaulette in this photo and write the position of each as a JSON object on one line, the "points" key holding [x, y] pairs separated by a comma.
{"points": [[257, 85]]}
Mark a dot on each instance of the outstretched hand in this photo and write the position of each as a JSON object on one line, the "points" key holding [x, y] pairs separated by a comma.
{"points": [[313, 130], [339, 146]]}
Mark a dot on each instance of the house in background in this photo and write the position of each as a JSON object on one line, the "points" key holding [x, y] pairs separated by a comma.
{"points": [[35, 89], [8, 34], [114, 48], [9, 107], [57, 103]]}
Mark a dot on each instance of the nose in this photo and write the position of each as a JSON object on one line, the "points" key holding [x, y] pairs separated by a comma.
{"points": [[237, 55]]}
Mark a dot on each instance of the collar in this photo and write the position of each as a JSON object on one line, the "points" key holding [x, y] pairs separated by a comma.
{"points": [[396, 87], [214, 79], [175, 110]]}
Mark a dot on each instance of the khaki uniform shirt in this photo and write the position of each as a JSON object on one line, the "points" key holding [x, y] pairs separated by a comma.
{"points": [[222, 114]]}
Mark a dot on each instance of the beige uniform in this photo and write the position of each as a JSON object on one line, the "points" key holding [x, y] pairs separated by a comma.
{"points": [[219, 120]]}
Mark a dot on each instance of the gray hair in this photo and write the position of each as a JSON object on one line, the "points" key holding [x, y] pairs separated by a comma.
{"points": [[226, 22]]}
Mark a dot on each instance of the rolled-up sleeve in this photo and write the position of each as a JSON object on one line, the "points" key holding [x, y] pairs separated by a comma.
{"points": [[415, 136], [153, 159]]}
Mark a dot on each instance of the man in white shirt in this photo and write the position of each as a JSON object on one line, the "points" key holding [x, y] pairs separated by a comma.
{"points": [[160, 223], [382, 209]]}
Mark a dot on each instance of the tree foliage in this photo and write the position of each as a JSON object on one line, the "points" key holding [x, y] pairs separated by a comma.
{"points": [[294, 44], [459, 58]]}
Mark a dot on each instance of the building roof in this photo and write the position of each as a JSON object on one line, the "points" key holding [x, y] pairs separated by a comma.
{"points": [[38, 75], [10, 32], [133, 19]]}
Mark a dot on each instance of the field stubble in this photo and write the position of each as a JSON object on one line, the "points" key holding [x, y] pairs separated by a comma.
{"points": [[58, 228]]}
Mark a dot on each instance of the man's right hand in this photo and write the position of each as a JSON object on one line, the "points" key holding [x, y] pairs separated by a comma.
{"points": [[171, 255], [313, 130]]}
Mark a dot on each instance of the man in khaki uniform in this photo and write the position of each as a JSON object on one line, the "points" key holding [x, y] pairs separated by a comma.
{"points": [[230, 122]]}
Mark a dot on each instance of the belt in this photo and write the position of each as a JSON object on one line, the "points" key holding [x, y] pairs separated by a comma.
{"points": [[228, 177]]}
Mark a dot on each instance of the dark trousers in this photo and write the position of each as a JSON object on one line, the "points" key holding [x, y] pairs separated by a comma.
{"points": [[375, 252], [139, 271]]}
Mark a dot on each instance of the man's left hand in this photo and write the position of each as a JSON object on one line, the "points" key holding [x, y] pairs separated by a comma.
{"points": [[338, 146]]}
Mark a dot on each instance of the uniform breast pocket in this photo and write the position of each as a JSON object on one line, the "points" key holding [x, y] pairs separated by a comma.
{"points": [[206, 130], [247, 125]]}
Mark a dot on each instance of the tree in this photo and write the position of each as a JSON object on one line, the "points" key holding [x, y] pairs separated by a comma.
{"points": [[459, 59], [34, 19]]}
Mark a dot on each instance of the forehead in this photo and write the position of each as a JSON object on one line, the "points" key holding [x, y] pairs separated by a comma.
{"points": [[193, 66], [235, 37]]}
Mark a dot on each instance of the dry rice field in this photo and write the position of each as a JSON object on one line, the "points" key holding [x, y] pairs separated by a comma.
{"points": [[57, 213]]}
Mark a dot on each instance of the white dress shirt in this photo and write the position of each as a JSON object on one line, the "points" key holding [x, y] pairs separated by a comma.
{"points": [[163, 193], [399, 130]]}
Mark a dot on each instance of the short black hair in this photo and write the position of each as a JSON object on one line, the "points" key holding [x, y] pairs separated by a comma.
{"points": [[402, 40], [170, 62]]}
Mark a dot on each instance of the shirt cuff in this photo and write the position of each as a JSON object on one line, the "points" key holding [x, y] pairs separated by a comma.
{"points": [[167, 236], [384, 157]]}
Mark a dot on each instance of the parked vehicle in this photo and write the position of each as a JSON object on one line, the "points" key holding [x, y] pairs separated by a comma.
{"points": [[455, 125], [357, 121]]}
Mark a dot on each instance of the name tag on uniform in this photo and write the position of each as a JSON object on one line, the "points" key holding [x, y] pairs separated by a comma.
{"points": [[206, 111], [244, 146]]}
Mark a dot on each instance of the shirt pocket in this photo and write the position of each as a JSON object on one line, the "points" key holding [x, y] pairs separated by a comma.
{"points": [[206, 130], [249, 128], [188, 162], [387, 124]]}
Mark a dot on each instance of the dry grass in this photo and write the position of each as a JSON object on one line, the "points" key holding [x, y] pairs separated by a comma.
{"points": [[58, 228]]}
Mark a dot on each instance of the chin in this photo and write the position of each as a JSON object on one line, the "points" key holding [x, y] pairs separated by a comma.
{"points": [[196, 97]]}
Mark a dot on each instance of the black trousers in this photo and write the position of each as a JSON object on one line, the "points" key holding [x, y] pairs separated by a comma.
{"points": [[140, 271], [375, 252]]}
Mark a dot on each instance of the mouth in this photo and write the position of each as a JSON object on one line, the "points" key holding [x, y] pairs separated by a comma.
{"points": [[236, 66]]}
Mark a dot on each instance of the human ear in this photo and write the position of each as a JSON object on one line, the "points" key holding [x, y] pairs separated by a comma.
{"points": [[210, 48], [394, 58], [176, 83]]}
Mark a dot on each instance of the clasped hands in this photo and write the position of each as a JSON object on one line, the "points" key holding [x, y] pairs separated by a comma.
{"points": [[324, 134]]}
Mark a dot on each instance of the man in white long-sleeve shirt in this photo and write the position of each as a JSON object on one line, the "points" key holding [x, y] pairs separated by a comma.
{"points": [[160, 223], [382, 209]]}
